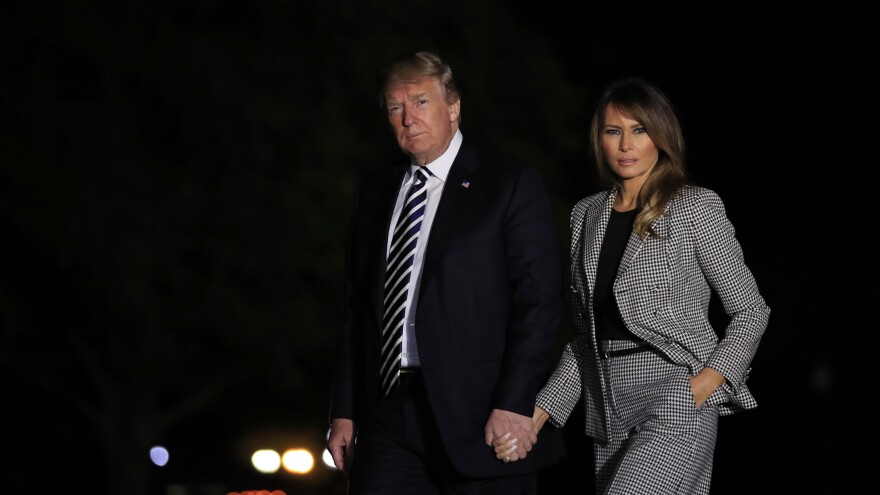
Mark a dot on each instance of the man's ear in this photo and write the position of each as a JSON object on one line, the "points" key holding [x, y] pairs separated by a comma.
{"points": [[455, 110]]}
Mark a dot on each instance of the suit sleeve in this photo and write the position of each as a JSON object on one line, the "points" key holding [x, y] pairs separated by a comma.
{"points": [[721, 259], [562, 392], [342, 395], [533, 263]]}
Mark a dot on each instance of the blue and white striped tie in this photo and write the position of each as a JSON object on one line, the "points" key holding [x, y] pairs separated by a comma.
{"points": [[397, 276]]}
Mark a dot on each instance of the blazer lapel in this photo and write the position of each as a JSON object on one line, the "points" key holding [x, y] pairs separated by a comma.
{"points": [[636, 243], [462, 183], [595, 226]]}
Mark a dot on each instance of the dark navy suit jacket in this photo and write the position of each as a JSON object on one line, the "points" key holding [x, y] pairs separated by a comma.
{"points": [[488, 312]]}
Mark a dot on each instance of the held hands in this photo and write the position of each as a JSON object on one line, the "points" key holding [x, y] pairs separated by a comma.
{"points": [[507, 446], [340, 443], [515, 431]]}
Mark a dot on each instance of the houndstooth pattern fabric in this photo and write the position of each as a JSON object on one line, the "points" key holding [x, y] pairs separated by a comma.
{"points": [[663, 287], [662, 444]]}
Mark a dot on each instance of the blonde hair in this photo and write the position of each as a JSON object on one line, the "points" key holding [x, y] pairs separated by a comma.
{"points": [[412, 67]]}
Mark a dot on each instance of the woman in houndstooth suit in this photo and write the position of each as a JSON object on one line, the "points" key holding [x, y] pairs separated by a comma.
{"points": [[646, 253]]}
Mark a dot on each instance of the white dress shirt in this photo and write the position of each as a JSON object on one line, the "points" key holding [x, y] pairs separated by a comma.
{"points": [[437, 170]]}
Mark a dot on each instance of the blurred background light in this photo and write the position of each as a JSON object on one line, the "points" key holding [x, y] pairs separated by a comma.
{"points": [[328, 459], [298, 461], [159, 455], [266, 461]]}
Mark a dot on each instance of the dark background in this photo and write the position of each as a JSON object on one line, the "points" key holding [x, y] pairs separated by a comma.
{"points": [[175, 179]]}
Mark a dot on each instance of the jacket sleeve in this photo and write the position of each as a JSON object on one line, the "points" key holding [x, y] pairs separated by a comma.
{"points": [[720, 257], [563, 389], [533, 265]]}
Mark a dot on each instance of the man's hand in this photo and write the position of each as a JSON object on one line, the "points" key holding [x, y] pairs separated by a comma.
{"points": [[506, 443], [516, 430], [340, 443]]}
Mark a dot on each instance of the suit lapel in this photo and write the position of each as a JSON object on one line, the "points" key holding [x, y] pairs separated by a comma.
{"points": [[636, 243], [595, 225], [462, 183]]}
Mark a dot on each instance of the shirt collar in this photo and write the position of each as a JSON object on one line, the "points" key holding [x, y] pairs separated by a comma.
{"points": [[440, 167]]}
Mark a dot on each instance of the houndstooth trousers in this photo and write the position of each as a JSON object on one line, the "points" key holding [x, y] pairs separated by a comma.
{"points": [[660, 443]]}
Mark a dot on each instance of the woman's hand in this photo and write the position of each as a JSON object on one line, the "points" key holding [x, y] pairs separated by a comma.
{"points": [[704, 383], [506, 445]]}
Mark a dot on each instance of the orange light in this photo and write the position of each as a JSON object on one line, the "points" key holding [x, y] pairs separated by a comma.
{"points": [[298, 461]]}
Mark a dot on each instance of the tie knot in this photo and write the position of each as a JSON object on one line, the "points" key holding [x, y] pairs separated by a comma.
{"points": [[420, 176]]}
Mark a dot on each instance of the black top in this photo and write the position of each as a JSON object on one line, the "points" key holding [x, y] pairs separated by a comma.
{"points": [[609, 324]]}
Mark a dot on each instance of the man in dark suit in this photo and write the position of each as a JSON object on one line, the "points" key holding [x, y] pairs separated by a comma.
{"points": [[449, 353]]}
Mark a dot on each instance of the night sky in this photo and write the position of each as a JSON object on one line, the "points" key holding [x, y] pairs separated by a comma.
{"points": [[175, 180]]}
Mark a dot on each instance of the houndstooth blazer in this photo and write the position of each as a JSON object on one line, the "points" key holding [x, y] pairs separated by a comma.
{"points": [[663, 288]]}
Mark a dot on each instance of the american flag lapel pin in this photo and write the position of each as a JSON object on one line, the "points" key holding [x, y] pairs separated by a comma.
{"points": [[465, 184]]}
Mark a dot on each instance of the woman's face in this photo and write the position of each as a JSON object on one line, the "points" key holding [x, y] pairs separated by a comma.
{"points": [[629, 150]]}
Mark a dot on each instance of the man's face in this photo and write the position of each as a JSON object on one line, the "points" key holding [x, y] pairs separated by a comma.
{"points": [[422, 121]]}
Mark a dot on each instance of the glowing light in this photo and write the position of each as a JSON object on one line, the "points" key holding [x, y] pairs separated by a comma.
{"points": [[298, 461], [159, 455], [266, 461], [327, 457]]}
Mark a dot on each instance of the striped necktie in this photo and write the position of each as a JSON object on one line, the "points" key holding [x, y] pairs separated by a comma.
{"points": [[397, 277]]}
